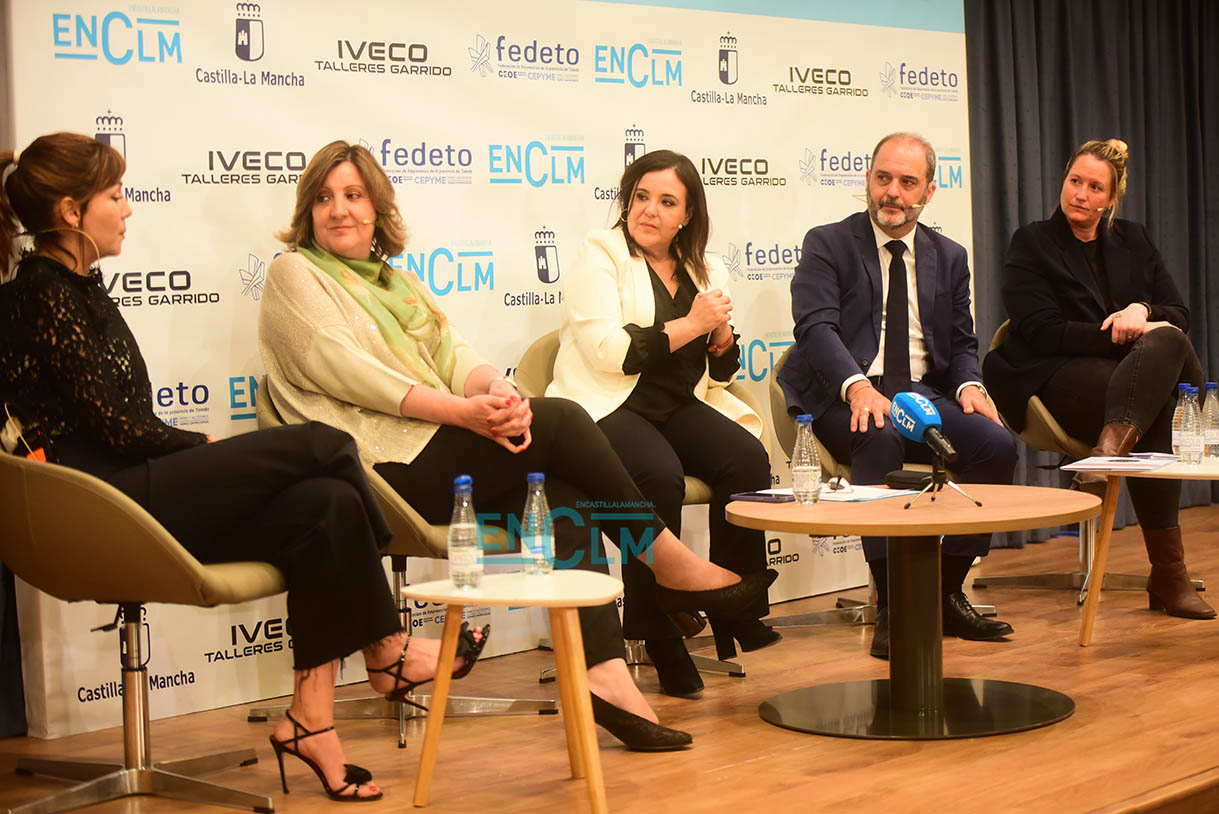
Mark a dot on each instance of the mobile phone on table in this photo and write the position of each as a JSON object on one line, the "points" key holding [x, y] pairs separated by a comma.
{"points": [[765, 496]]}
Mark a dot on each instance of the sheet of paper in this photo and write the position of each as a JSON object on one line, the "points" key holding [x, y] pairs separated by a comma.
{"points": [[1130, 464]]}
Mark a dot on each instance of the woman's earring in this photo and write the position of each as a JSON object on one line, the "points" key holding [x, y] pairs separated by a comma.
{"points": [[622, 217], [679, 226]]}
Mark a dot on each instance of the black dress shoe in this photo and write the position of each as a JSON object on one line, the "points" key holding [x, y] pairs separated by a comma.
{"points": [[752, 634], [960, 619], [674, 667], [727, 601], [637, 734], [880, 636]]}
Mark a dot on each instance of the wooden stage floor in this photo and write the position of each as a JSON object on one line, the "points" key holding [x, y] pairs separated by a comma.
{"points": [[1144, 737]]}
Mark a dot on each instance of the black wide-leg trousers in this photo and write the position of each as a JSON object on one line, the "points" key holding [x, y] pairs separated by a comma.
{"points": [[297, 498]]}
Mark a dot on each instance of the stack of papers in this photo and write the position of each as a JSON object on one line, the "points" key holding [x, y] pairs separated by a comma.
{"points": [[1147, 462]]}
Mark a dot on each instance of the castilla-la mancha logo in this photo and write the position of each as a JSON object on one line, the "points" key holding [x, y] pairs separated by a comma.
{"points": [[250, 45], [634, 146], [546, 255], [728, 57], [110, 132]]}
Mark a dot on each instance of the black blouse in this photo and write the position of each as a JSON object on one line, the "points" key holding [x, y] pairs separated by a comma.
{"points": [[667, 378], [71, 370]]}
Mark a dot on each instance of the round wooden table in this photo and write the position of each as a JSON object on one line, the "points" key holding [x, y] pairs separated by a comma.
{"points": [[916, 701]]}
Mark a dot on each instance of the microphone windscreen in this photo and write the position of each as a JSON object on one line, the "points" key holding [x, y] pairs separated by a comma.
{"points": [[913, 415], [907, 479]]}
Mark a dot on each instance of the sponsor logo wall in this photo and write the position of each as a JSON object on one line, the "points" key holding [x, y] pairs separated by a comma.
{"points": [[505, 129]]}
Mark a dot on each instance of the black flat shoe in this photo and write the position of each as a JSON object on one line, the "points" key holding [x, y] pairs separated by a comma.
{"points": [[674, 667], [880, 636], [637, 734], [750, 634], [961, 620], [728, 601]]}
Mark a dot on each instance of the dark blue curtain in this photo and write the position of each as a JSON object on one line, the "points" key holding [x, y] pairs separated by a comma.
{"points": [[1047, 75]]}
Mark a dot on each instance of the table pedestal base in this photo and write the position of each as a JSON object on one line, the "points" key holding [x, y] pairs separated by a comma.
{"points": [[972, 707]]}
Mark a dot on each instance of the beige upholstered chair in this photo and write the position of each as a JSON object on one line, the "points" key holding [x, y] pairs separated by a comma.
{"points": [[413, 537], [533, 375], [1042, 431], [76, 537]]}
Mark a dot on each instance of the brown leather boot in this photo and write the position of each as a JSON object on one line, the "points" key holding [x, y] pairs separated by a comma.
{"points": [[1116, 440], [1168, 585]]}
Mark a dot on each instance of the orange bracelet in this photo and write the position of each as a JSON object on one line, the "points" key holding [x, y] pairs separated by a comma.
{"points": [[718, 348]]}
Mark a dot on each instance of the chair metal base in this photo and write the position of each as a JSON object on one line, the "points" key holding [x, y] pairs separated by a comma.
{"points": [[846, 612], [137, 774], [637, 656], [127, 782], [1074, 580]]}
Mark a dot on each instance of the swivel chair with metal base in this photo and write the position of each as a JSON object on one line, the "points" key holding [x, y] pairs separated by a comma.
{"points": [[534, 373], [1043, 432], [413, 537], [106, 548]]}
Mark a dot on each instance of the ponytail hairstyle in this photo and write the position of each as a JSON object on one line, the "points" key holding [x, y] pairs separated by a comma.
{"points": [[53, 167], [1113, 152]]}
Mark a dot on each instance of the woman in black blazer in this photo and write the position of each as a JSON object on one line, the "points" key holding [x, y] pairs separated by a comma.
{"points": [[1097, 332]]}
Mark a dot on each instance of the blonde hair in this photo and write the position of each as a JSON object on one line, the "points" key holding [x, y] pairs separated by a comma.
{"points": [[389, 233], [1113, 152], [53, 167]]}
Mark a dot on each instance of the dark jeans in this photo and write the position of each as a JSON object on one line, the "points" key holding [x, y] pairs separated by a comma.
{"points": [[581, 471], [1140, 389], [987, 455], [700, 441], [295, 497]]}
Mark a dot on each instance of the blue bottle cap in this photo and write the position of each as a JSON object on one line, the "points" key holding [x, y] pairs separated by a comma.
{"points": [[1212, 385], [535, 477], [804, 418], [463, 482], [1183, 386]]}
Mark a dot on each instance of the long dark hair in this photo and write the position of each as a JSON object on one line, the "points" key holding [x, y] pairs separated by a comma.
{"points": [[690, 245], [53, 167]]}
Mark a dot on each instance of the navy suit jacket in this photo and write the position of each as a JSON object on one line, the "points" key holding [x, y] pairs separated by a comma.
{"points": [[837, 307]]}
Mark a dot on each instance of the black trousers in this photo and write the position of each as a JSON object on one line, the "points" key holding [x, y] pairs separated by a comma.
{"points": [[700, 441], [586, 487], [987, 455], [295, 497], [1139, 389]]}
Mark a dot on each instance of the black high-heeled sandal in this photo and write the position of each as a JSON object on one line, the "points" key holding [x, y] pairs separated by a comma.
{"points": [[751, 634], [731, 600], [355, 777], [468, 649], [636, 733]]}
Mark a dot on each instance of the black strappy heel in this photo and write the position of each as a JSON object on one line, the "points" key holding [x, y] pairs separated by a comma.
{"points": [[356, 776], [468, 649]]}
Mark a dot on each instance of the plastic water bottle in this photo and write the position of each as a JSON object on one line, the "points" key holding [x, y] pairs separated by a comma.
{"points": [[537, 532], [1178, 418], [465, 557], [1191, 429], [1210, 420], [806, 463]]}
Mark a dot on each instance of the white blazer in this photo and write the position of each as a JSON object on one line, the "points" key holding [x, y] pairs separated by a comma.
{"points": [[606, 290]]}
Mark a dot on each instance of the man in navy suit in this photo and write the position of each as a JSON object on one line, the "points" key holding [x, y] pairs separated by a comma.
{"points": [[881, 306]]}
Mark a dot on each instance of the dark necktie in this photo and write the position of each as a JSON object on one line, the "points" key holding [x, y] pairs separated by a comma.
{"points": [[897, 324]]}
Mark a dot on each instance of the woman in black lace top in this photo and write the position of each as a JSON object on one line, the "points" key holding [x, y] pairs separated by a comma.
{"points": [[72, 376]]}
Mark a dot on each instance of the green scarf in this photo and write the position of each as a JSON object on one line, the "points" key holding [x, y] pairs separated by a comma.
{"points": [[416, 331]]}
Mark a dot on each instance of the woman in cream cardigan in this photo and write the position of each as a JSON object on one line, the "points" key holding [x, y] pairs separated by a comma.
{"points": [[349, 341], [647, 348]]}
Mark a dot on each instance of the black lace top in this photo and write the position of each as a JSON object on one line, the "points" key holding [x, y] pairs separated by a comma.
{"points": [[71, 370]]}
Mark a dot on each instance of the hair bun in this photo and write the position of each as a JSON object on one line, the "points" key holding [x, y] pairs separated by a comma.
{"points": [[1120, 146]]}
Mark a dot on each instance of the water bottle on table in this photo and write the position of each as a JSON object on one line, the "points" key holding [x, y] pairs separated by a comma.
{"points": [[1210, 420], [1178, 417], [537, 532], [465, 557], [1191, 429], [806, 463]]}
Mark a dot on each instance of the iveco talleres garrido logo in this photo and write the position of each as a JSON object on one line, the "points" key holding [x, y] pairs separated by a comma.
{"points": [[357, 56], [110, 132], [546, 255], [118, 38], [728, 59], [818, 80], [250, 45], [633, 146]]}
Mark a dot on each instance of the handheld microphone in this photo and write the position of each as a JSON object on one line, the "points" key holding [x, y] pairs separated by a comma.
{"points": [[916, 418]]}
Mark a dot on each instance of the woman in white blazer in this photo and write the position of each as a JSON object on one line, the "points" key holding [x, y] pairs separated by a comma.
{"points": [[647, 348]]}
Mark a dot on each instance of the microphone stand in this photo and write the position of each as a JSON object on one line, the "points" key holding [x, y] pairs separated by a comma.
{"points": [[939, 479]]}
